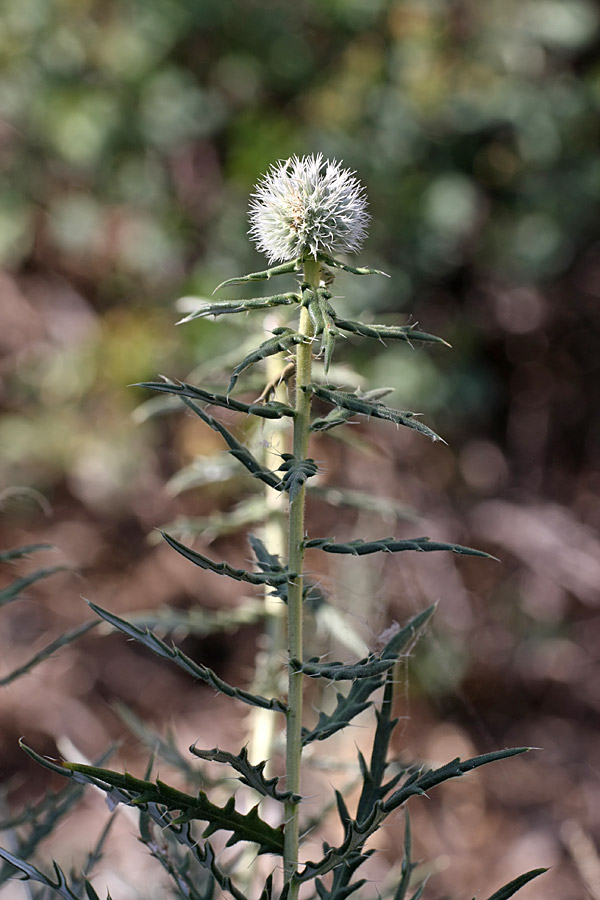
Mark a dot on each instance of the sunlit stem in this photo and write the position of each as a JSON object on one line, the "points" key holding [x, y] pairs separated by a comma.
{"points": [[296, 565]]}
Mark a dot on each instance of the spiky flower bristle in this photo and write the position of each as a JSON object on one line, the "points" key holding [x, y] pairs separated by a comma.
{"points": [[306, 205]]}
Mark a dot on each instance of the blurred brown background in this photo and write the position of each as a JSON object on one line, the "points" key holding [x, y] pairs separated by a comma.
{"points": [[130, 137]]}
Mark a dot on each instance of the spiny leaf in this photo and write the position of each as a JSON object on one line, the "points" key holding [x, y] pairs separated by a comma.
{"points": [[417, 784], [391, 545], [406, 333], [139, 792], [196, 670], [336, 264], [285, 269], [61, 885], [47, 652], [38, 821], [340, 416], [16, 587], [237, 306], [404, 638], [20, 552], [269, 563], [271, 410], [340, 886], [408, 866], [236, 449], [369, 667], [354, 840], [252, 775], [187, 884], [420, 783], [513, 886], [358, 697], [297, 472], [322, 316], [342, 809], [202, 852], [373, 787], [273, 579], [284, 340], [267, 892], [354, 404], [348, 706]]}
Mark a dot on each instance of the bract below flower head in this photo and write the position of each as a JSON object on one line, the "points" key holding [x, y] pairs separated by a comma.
{"points": [[308, 205]]}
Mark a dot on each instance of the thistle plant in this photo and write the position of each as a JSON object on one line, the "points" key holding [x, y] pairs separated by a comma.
{"points": [[304, 213]]}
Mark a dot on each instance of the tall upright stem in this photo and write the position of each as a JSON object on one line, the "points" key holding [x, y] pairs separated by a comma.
{"points": [[296, 565]]}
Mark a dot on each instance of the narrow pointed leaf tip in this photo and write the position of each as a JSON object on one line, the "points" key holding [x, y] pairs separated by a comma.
{"points": [[139, 792], [516, 884], [287, 268], [361, 547], [353, 270], [228, 307]]}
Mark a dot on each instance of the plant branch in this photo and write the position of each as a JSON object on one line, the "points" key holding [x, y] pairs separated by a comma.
{"points": [[295, 565]]}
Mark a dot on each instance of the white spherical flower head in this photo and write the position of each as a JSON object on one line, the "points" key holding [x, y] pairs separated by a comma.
{"points": [[306, 206]]}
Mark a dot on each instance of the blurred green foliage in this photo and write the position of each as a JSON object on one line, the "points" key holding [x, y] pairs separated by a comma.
{"points": [[132, 133]]}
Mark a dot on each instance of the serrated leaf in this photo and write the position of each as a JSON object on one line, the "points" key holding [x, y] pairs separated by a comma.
{"points": [[297, 472], [420, 783], [339, 416], [383, 333], [227, 307], [139, 792], [252, 775], [360, 547], [347, 707], [39, 821], [513, 886], [203, 852], [60, 886], [273, 579], [322, 317], [354, 404], [353, 270], [270, 410], [270, 563], [238, 450], [20, 552], [47, 652], [417, 784], [354, 841], [16, 587], [408, 866], [369, 667], [282, 342], [285, 269], [341, 888], [358, 697], [174, 654]]}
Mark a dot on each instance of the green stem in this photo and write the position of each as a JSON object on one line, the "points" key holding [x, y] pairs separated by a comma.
{"points": [[296, 564]]}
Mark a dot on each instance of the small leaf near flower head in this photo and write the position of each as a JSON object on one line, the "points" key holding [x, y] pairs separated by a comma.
{"points": [[306, 206]]}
